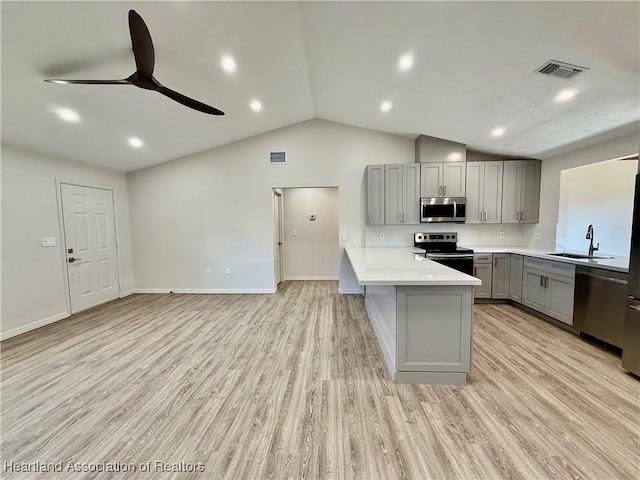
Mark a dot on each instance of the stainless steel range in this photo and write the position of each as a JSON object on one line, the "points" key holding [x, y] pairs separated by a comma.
{"points": [[443, 248]]}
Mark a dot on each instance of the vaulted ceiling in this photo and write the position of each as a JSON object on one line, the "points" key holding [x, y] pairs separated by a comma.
{"points": [[472, 72]]}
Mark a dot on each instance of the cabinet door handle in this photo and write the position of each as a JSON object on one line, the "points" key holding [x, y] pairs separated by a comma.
{"points": [[541, 281], [523, 216], [495, 261], [445, 189], [475, 271], [485, 216]]}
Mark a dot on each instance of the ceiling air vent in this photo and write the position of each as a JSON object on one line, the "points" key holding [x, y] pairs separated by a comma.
{"points": [[277, 158], [554, 68]]}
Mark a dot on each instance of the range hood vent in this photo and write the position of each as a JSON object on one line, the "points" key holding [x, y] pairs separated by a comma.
{"points": [[554, 68]]}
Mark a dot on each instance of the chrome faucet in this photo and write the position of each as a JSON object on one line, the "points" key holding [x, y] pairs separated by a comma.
{"points": [[590, 237]]}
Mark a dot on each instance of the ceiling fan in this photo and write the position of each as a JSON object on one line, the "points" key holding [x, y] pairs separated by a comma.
{"points": [[143, 76]]}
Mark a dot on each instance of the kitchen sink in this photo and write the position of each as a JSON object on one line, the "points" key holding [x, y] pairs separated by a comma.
{"points": [[579, 256]]}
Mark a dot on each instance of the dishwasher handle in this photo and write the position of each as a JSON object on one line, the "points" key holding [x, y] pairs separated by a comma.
{"points": [[588, 273]]}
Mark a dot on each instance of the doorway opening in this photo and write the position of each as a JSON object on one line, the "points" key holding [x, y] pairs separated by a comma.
{"points": [[306, 234]]}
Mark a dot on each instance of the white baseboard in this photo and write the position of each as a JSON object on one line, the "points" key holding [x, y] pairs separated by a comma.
{"points": [[350, 291], [126, 293], [33, 325], [224, 291], [310, 277]]}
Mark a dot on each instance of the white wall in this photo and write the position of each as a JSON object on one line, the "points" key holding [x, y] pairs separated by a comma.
{"points": [[33, 291], [550, 184], [313, 253], [215, 209], [600, 194]]}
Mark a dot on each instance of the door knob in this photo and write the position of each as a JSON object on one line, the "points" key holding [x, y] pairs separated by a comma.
{"points": [[71, 259]]}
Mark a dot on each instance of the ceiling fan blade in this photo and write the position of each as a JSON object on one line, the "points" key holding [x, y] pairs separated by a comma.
{"points": [[142, 44], [88, 82], [189, 102]]}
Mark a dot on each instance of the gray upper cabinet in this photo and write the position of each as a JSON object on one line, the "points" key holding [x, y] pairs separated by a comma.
{"points": [[521, 191], [442, 179], [454, 179], [402, 194], [375, 186], [411, 194], [393, 194], [500, 277], [431, 175], [484, 192], [515, 278]]}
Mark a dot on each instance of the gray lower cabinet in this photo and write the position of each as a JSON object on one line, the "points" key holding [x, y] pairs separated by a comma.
{"points": [[483, 269], [548, 287], [500, 276], [433, 329], [533, 292], [374, 182], [515, 278]]}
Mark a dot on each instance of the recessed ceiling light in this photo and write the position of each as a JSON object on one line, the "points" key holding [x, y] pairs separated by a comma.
{"points": [[455, 156], [497, 131], [405, 62], [385, 106], [67, 114], [228, 63], [256, 106], [135, 142], [565, 95]]}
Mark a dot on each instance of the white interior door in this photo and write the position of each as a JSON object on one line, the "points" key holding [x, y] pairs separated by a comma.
{"points": [[89, 230]]}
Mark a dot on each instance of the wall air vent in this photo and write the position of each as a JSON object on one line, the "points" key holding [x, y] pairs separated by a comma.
{"points": [[554, 68], [277, 158]]}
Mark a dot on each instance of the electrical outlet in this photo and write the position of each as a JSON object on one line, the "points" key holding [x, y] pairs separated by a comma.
{"points": [[502, 234], [537, 236], [344, 237], [207, 270], [295, 233], [382, 236], [227, 270]]}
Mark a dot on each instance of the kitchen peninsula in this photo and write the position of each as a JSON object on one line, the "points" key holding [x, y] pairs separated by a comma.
{"points": [[421, 312]]}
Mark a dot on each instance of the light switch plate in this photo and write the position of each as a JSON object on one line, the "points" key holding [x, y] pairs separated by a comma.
{"points": [[344, 237], [48, 241]]}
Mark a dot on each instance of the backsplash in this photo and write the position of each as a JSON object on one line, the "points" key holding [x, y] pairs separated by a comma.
{"points": [[468, 235]]}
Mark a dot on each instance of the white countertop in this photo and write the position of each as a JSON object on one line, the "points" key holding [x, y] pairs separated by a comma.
{"points": [[401, 266], [616, 263]]}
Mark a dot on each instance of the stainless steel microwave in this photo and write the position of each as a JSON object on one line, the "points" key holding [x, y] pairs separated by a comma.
{"points": [[443, 209]]}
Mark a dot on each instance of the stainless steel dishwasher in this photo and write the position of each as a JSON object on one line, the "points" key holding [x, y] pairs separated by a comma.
{"points": [[599, 303]]}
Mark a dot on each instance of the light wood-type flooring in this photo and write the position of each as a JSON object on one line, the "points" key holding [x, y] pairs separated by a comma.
{"points": [[293, 385]]}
